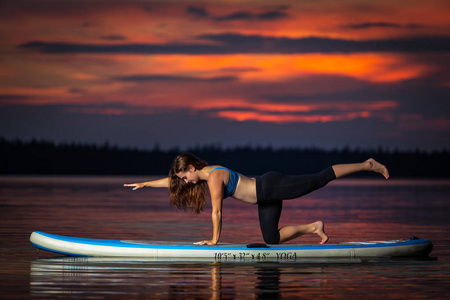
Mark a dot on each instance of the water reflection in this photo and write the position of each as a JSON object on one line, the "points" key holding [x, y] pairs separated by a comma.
{"points": [[268, 283], [72, 277], [354, 210]]}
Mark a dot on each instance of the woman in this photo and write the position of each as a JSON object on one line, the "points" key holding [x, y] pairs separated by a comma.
{"points": [[189, 177]]}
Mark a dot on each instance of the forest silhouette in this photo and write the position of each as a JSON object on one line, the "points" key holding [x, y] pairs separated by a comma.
{"points": [[48, 158]]}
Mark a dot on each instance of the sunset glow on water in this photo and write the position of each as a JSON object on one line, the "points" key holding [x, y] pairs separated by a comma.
{"points": [[100, 207]]}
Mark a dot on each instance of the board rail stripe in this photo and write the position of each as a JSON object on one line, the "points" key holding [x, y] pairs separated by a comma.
{"points": [[224, 246]]}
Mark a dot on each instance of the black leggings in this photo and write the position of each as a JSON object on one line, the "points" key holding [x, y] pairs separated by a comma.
{"points": [[272, 188]]}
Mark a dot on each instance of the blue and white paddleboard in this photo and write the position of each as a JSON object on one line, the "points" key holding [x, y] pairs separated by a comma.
{"points": [[74, 246]]}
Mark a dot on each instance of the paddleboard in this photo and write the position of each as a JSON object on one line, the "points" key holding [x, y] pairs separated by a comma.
{"points": [[75, 246]]}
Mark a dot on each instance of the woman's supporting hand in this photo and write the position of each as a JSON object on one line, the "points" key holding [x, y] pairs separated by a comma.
{"points": [[205, 242]]}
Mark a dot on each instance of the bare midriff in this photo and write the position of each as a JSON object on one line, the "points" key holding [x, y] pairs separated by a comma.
{"points": [[246, 190]]}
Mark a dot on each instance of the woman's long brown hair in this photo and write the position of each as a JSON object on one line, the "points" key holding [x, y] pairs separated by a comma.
{"points": [[187, 196]]}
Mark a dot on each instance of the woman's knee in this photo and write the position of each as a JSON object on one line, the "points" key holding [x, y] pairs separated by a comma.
{"points": [[324, 177], [271, 238]]}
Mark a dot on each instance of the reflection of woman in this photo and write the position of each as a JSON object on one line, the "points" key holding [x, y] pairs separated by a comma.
{"points": [[189, 177]]}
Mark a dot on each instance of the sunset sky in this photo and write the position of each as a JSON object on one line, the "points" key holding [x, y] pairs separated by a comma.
{"points": [[292, 73]]}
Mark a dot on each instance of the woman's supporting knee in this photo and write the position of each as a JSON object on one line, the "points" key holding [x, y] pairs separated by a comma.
{"points": [[272, 238]]}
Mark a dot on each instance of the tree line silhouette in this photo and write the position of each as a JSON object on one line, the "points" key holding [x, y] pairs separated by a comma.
{"points": [[48, 158]]}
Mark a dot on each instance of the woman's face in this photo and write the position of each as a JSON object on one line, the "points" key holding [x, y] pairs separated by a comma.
{"points": [[189, 176]]}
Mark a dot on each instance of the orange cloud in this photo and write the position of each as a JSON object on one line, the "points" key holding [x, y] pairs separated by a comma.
{"points": [[289, 118], [371, 67], [302, 113], [283, 107]]}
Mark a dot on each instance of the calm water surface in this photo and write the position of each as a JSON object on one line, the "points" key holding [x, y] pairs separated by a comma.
{"points": [[93, 207]]}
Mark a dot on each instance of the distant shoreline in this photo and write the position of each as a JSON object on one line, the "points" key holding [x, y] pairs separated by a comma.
{"points": [[48, 158]]}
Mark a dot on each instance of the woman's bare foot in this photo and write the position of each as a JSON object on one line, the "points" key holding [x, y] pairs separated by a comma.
{"points": [[320, 231], [377, 167]]}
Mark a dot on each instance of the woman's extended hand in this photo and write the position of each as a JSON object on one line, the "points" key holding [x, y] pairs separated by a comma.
{"points": [[205, 242], [135, 185]]}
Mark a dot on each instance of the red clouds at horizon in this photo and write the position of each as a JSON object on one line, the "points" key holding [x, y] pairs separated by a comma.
{"points": [[233, 81]]}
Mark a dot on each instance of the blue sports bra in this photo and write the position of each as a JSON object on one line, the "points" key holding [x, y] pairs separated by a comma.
{"points": [[230, 188]]}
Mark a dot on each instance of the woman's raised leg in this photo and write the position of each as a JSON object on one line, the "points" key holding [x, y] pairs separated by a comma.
{"points": [[369, 165]]}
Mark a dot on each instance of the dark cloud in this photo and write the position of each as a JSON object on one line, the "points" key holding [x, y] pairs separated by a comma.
{"points": [[261, 44], [272, 15], [76, 91], [66, 48], [152, 77], [9, 98], [245, 15], [368, 25], [197, 12], [237, 43], [241, 15]]}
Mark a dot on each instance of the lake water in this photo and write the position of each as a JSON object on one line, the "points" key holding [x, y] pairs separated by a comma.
{"points": [[100, 207]]}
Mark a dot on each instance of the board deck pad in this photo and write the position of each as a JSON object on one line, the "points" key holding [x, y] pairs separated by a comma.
{"points": [[75, 246]]}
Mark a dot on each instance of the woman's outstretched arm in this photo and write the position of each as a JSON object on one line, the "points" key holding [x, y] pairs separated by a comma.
{"points": [[159, 183]]}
